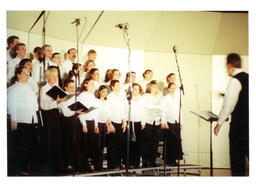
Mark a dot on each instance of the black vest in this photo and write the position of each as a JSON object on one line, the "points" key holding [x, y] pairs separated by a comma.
{"points": [[241, 110]]}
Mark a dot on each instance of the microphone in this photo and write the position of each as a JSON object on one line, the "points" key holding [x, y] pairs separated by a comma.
{"points": [[77, 21], [221, 94], [122, 26], [174, 48]]}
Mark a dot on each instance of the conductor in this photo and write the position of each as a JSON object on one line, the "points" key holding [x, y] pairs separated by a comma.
{"points": [[236, 104]]}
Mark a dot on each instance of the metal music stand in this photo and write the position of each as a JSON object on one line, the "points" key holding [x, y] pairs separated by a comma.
{"points": [[211, 117]]}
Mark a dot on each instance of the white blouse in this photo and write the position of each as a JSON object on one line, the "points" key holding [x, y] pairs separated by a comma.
{"points": [[154, 110], [12, 65], [67, 66], [104, 110], [33, 85], [138, 112], [117, 107], [171, 108], [63, 106], [36, 67], [46, 102], [88, 100], [22, 103], [8, 55]]}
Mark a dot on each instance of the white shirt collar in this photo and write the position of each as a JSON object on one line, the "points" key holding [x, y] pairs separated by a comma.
{"points": [[237, 70]]}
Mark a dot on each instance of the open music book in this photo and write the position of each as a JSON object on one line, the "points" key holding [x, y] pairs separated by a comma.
{"points": [[79, 106], [56, 91]]}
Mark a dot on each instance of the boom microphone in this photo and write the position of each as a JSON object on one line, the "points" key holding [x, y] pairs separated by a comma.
{"points": [[122, 25], [174, 48]]}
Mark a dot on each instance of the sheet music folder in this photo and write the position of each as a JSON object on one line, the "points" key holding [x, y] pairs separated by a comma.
{"points": [[55, 91], [206, 115], [79, 106]]}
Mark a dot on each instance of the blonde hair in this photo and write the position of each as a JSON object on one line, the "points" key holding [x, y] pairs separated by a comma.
{"points": [[51, 72]]}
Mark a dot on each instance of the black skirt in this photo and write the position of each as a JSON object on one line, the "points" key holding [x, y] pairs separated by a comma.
{"points": [[52, 148], [71, 130]]}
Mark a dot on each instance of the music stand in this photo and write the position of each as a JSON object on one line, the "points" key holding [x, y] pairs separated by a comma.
{"points": [[211, 117]]}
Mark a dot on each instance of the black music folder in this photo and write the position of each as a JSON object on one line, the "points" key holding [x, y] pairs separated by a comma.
{"points": [[56, 91], [206, 115], [79, 106]]}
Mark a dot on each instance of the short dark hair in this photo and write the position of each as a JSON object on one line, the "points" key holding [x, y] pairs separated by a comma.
{"points": [[44, 46], [234, 59], [67, 81], [71, 50], [11, 39], [54, 54], [24, 61], [112, 83], [37, 49], [16, 47]]}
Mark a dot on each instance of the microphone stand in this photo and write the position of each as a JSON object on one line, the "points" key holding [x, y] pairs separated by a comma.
{"points": [[125, 33], [181, 90], [76, 66], [40, 70]]}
